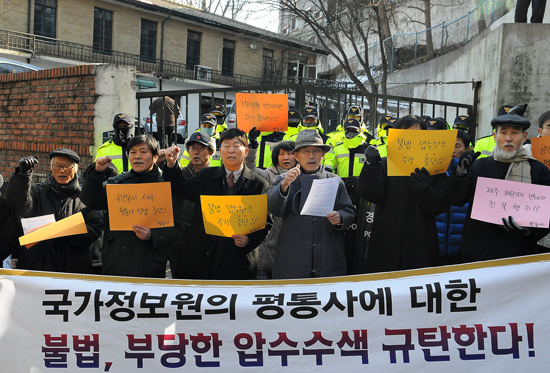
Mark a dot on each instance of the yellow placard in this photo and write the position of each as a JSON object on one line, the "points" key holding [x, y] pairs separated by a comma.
{"points": [[540, 146], [410, 149], [228, 215], [268, 112], [148, 204], [69, 226]]}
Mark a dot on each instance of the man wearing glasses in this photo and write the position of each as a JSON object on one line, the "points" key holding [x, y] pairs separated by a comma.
{"points": [[58, 195], [308, 246], [212, 257]]}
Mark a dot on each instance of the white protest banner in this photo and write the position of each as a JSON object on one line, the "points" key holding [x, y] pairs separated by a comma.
{"points": [[485, 317]]}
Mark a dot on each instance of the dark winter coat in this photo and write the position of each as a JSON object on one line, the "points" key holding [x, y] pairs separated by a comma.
{"points": [[123, 253], [450, 225], [10, 230], [404, 235], [486, 241], [308, 246], [214, 257], [64, 254]]}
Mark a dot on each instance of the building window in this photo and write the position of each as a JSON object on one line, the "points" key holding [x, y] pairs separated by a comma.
{"points": [[228, 59], [148, 43], [193, 49], [293, 23], [45, 14], [268, 64], [103, 31]]}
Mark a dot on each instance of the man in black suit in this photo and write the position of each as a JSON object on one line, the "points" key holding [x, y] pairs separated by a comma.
{"points": [[213, 257]]}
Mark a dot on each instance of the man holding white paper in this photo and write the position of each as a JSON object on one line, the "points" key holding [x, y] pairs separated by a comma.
{"points": [[58, 195], [482, 240], [309, 245]]}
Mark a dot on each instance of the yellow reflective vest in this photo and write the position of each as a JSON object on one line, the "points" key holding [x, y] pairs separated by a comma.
{"points": [[114, 151]]}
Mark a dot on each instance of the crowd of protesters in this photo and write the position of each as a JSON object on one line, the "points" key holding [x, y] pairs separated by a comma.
{"points": [[416, 221]]}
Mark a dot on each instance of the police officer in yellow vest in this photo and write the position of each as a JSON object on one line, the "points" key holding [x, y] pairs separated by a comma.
{"points": [[354, 112], [310, 121], [219, 111], [208, 125], [294, 119], [486, 144], [116, 148], [347, 158], [382, 141], [264, 142]]}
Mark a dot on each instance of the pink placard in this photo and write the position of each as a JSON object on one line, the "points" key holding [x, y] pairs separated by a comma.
{"points": [[495, 199]]}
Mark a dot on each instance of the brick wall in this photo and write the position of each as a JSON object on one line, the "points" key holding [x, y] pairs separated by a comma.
{"points": [[44, 110]]}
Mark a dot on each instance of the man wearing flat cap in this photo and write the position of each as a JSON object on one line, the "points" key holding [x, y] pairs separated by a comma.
{"points": [[208, 126], [510, 161], [58, 195], [308, 246]]}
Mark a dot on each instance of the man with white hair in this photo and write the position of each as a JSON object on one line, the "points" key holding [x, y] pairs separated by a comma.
{"points": [[510, 161], [59, 195]]}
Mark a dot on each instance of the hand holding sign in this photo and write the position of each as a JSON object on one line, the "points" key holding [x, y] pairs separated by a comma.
{"points": [[133, 207], [409, 149], [520, 204], [268, 112], [234, 216]]}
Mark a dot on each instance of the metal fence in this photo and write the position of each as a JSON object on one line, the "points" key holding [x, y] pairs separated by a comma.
{"points": [[332, 102], [410, 49]]}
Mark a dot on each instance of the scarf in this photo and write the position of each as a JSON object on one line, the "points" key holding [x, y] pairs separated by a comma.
{"points": [[519, 169]]}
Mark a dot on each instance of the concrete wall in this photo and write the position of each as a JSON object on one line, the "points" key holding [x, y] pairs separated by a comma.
{"points": [[115, 92], [509, 60]]}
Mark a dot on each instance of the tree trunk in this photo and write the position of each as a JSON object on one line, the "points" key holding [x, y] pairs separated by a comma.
{"points": [[428, 24], [384, 24]]}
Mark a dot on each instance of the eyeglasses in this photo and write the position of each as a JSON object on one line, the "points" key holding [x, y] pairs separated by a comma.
{"points": [[59, 167], [311, 151], [197, 147]]}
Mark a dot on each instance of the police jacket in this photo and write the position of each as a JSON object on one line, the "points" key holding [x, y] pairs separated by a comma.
{"points": [[266, 141], [118, 156], [339, 160]]}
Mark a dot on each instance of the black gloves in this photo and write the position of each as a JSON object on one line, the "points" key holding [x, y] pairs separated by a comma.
{"points": [[350, 183], [253, 135], [372, 156], [518, 110], [510, 226], [466, 160], [27, 163], [421, 178]]}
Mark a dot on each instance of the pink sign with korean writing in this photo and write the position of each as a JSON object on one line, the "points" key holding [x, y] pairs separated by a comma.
{"points": [[495, 199]]}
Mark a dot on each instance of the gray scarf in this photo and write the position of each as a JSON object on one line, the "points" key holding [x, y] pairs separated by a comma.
{"points": [[519, 169]]}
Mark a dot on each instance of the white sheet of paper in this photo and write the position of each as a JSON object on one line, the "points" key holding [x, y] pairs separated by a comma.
{"points": [[320, 201], [31, 224]]}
